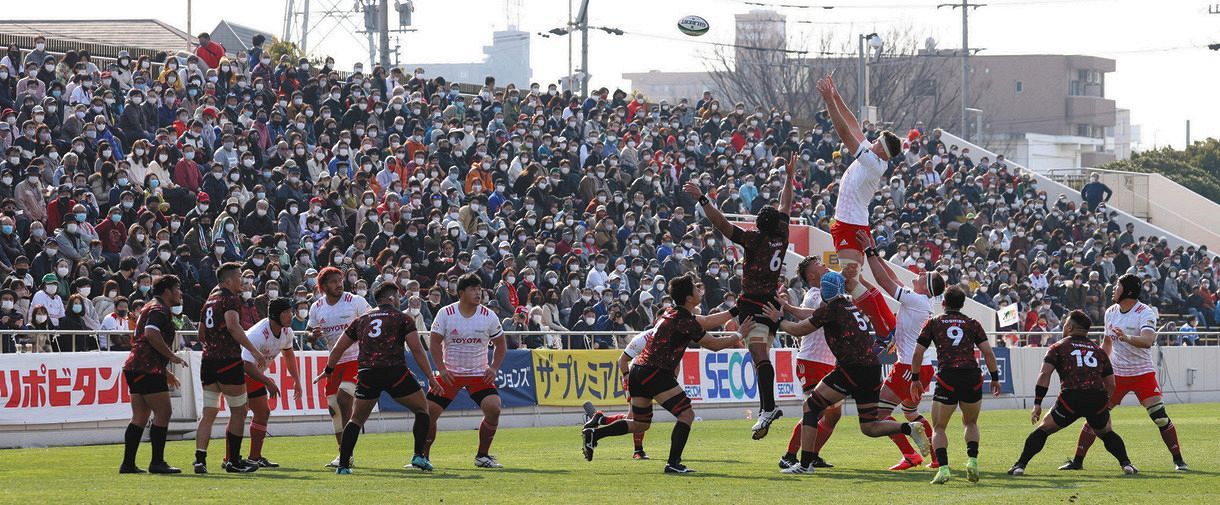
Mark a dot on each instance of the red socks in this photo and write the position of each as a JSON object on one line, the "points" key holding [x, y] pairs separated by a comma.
{"points": [[873, 305]]}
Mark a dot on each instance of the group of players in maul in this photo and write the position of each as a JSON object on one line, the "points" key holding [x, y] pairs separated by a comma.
{"points": [[839, 356]]}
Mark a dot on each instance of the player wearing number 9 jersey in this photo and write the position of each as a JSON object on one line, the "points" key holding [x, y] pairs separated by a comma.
{"points": [[959, 382], [765, 249], [1086, 380], [1129, 337]]}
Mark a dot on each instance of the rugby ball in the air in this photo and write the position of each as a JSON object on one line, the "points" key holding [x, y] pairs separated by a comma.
{"points": [[693, 25]]}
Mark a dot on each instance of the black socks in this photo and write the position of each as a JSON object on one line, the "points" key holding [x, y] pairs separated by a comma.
{"points": [[766, 385], [1114, 445], [423, 423], [972, 449], [131, 444], [1033, 445], [615, 429], [156, 436], [677, 442], [351, 432]]}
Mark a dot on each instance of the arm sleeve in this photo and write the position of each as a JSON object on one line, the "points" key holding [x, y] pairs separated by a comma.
{"points": [[438, 322], [1106, 368], [697, 331], [353, 330]]}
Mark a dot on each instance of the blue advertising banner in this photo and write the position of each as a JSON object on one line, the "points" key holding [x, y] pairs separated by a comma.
{"points": [[515, 382]]}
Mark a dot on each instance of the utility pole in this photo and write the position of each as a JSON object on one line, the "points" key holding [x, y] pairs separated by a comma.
{"points": [[304, 29], [188, 20], [583, 19], [383, 31], [966, 7], [1187, 134]]}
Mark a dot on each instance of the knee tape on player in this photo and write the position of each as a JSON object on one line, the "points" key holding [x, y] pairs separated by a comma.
{"points": [[336, 417], [859, 290], [1158, 415], [759, 334], [885, 405], [810, 418], [237, 400], [348, 387], [677, 405], [817, 402], [845, 262], [257, 426], [641, 414], [909, 410], [211, 399]]}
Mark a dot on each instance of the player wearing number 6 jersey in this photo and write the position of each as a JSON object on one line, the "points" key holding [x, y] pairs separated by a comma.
{"points": [[857, 374], [461, 333], [329, 317], [1086, 380], [765, 248], [959, 382], [221, 370], [1128, 340]]}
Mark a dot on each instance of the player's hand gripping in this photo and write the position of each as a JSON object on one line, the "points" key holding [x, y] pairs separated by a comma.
{"points": [[916, 390], [445, 378], [1036, 415], [273, 389], [693, 190], [743, 329], [172, 380], [490, 375], [773, 312], [865, 239]]}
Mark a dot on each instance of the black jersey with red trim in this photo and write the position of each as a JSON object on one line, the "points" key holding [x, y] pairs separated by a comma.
{"points": [[764, 260], [382, 335], [214, 331], [846, 332], [677, 329], [955, 336], [143, 356], [1081, 364]]}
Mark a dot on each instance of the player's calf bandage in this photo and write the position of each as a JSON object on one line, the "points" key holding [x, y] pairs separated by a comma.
{"points": [[1159, 416], [211, 399], [257, 426], [237, 400], [885, 405], [677, 405], [810, 418], [336, 418], [642, 415]]}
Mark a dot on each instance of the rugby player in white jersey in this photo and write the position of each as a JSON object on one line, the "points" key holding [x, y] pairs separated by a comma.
{"points": [[1129, 336], [271, 336], [329, 317], [597, 418], [461, 334], [859, 184], [915, 309], [813, 362]]}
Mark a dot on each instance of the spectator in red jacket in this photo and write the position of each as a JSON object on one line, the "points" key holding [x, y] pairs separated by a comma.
{"points": [[209, 51], [59, 207]]}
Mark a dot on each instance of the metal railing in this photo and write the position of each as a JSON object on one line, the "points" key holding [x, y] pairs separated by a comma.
{"points": [[33, 341]]}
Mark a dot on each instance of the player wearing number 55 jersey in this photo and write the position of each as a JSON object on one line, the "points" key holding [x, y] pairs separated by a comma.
{"points": [[765, 248], [1128, 340], [461, 334], [1086, 380], [221, 370], [857, 374], [381, 335], [958, 381]]}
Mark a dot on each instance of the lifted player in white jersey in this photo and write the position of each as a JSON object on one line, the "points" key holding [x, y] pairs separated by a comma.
{"points": [[329, 317], [859, 185], [460, 336], [271, 336], [813, 362], [1129, 336], [597, 418], [915, 309]]}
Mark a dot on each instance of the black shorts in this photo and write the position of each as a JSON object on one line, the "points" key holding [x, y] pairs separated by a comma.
{"points": [[1075, 404], [648, 382], [752, 306], [227, 371], [143, 383], [964, 385], [395, 380], [861, 382]]}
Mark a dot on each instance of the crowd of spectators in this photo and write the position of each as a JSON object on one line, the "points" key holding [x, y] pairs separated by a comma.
{"points": [[569, 208]]}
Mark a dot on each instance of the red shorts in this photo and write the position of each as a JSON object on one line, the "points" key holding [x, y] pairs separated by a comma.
{"points": [[474, 384], [344, 372], [844, 235], [899, 381], [811, 373], [1144, 386]]}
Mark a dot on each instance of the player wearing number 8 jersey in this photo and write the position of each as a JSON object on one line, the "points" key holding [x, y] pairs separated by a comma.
{"points": [[1129, 336], [221, 370], [460, 335], [765, 248], [958, 382], [329, 317], [1086, 380], [857, 374]]}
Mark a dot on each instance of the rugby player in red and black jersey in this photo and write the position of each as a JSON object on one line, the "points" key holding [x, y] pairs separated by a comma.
{"points": [[148, 377], [652, 375], [857, 372], [958, 379], [381, 334], [1086, 380], [221, 370], [765, 249]]}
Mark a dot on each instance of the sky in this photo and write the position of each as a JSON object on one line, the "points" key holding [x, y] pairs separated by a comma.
{"points": [[1165, 74]]}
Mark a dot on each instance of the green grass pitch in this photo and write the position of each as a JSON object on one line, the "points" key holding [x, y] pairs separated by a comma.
{"points": [[544, 466]]}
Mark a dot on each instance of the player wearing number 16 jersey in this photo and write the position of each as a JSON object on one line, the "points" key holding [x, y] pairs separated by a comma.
{"points": [[1128, 340], [958, 382], [1086, 380], [765, 248], [461, 333]]}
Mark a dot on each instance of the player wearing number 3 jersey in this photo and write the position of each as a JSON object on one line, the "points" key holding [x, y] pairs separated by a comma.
{"points": [[765, 248], [1086, 380]]}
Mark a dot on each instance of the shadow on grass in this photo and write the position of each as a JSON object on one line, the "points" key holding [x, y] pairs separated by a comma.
{"points": [[530, 470]]}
